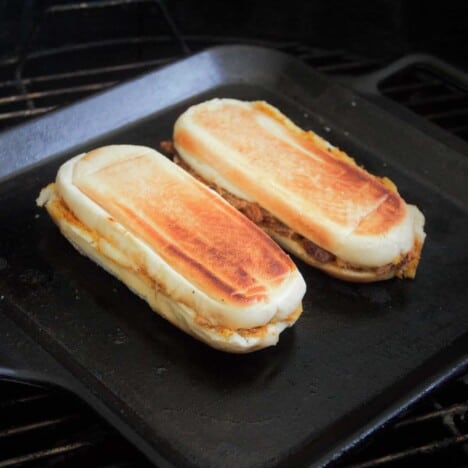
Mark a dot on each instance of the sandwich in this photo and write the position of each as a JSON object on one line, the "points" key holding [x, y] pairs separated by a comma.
{"points": [[181, 247], [309, 196]]}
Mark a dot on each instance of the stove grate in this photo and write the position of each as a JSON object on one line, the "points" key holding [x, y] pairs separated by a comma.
{"points": [[438, 98], [59, 430], [42, 426], [433, 433], [46, 73]]}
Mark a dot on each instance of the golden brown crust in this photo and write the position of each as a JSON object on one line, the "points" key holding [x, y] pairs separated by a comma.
{"points": [[193, 230], [403, 267], [88, 242], [376, 205]]}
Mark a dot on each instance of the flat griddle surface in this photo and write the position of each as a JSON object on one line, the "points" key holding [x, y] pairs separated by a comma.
{"points": [[358, 354]]}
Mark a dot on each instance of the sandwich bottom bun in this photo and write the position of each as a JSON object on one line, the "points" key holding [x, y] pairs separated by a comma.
{"points": [[185, 318], [348, 273], [340, 272]]}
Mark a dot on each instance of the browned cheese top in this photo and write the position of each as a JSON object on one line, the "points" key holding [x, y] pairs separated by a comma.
{"points": [[196, 232], [290, 172]]}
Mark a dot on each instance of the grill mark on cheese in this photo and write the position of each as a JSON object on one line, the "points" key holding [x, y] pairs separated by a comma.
{"points": [[204, 239], [383, 217], [253, 211], [171, 251], [279, 205], [329, 185], [61, 213]]}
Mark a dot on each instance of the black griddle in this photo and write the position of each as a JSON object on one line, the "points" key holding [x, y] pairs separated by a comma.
{"points": [[358, 355]]}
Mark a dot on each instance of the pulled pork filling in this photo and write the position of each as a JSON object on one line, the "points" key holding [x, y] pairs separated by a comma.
{"points": [[267, 221]]}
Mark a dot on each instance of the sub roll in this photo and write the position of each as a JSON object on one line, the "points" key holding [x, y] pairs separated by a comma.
{"points": [[190, 255], [309, 196]]}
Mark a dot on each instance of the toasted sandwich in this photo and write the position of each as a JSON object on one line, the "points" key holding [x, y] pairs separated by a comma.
{"points": [[195, 259], [312, 198]]}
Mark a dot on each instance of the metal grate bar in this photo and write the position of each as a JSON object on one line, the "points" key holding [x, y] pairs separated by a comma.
{"points": [[175, 30], [88, 72], [41, 454], [93, 5], [422, 450], [11, 431], [8, 61], [26, 113], [18, 401], [56, 92], [449, 410], [427, 103], [114, 3], [125, 41], [398, 92], [353, 67], [448, 114]]}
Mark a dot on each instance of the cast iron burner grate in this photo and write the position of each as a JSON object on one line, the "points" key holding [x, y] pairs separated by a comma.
{"points": [[435, 97], [434, 433], [52, 66], [46, 427], [41, 426], [55, 65]]}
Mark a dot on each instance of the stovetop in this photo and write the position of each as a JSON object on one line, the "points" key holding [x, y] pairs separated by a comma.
{"points": [[52, 65]]}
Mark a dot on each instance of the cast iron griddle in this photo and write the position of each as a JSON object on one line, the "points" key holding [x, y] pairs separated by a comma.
{"points": [[359, 354]]}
